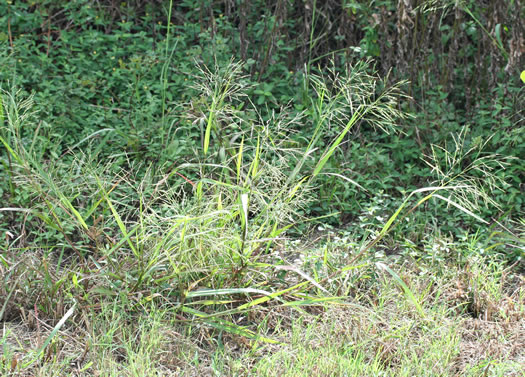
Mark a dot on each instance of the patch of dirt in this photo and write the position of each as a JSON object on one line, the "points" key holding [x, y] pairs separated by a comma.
{"points": [[485, 340]]}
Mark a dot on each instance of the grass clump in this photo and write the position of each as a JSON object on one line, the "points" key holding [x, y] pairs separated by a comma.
{"points": [[130, 266]]}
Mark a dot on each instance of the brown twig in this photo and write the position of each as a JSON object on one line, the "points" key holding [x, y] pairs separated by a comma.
{"points": [[9, 33]]}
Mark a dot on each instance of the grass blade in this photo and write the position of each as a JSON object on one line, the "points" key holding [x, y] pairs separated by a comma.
{"points": [[406, 289], [223, 325], [331, 149], [118, 219], [461, 208], [55, 330]]}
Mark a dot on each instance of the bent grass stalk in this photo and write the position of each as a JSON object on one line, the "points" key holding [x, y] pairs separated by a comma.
{"points": [[50, 337]]}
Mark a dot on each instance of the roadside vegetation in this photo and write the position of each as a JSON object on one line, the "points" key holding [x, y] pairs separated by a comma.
{"points": [[234, 188]]}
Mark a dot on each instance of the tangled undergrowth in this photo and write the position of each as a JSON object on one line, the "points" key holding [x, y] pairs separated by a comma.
{"points": [[175, 211]]}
